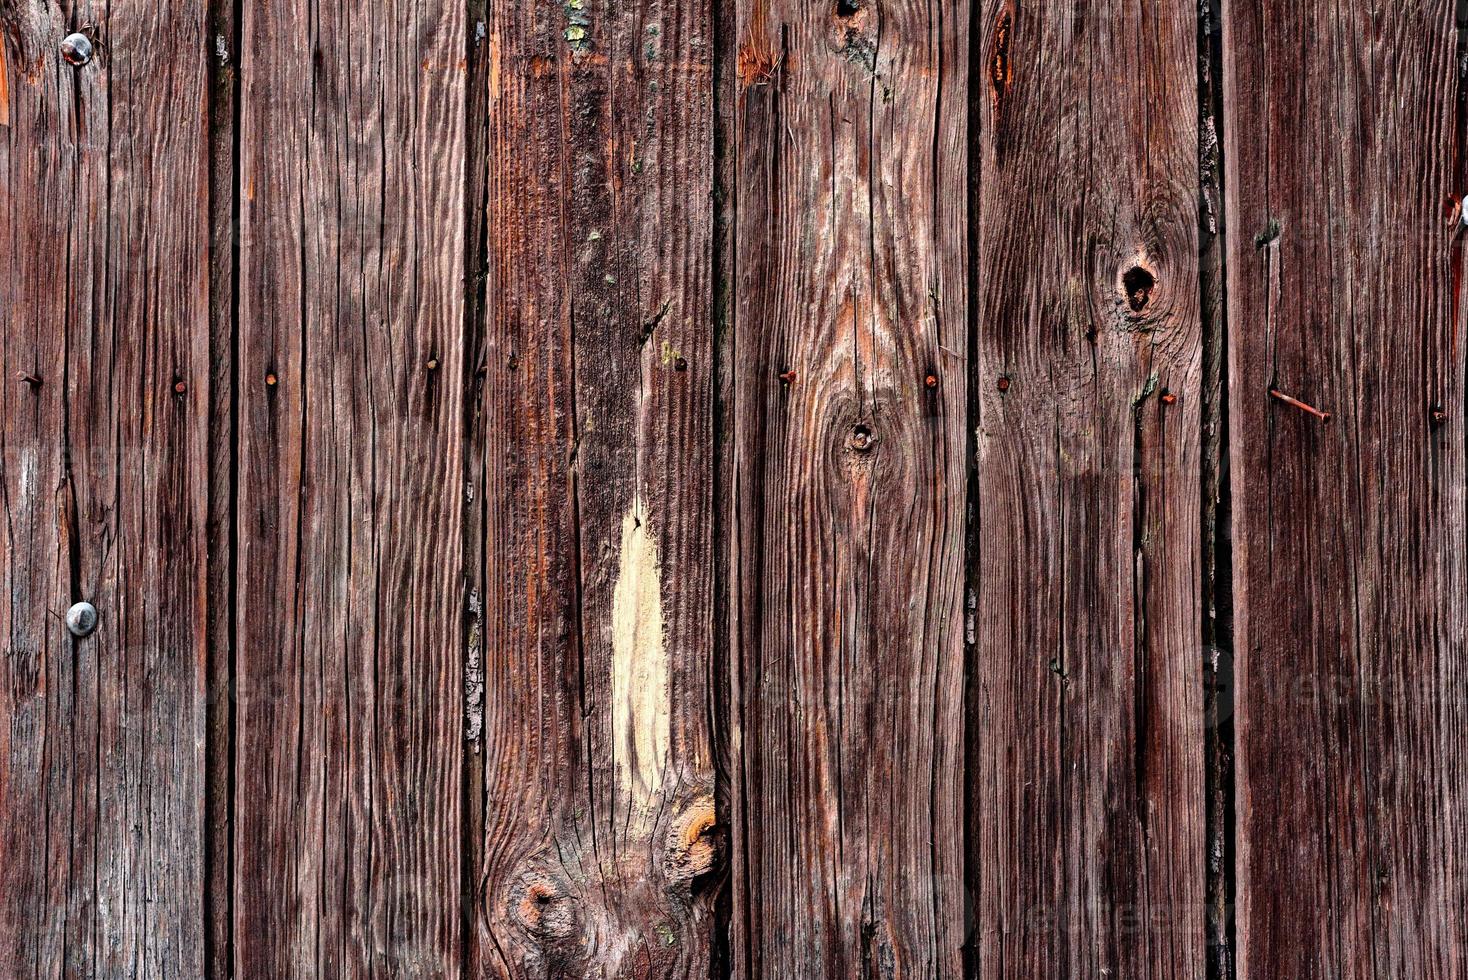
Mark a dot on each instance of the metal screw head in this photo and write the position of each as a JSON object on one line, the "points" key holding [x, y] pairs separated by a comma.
{"points": [[76, 49], [81, 619]]}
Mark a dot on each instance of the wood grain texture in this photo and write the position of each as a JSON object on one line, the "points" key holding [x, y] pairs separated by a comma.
{"points": [[1345, 158], [591, 453], [1086, 810], [348, 663], [848, 401], [104, 307]]}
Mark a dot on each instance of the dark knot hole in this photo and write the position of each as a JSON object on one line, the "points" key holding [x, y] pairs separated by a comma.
{"points": [[1138, 283]]}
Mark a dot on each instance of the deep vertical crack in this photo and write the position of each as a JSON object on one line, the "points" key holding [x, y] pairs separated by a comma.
{"points": [[1217, 584]]}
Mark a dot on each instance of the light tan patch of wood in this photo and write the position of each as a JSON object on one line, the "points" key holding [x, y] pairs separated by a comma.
{"points": [[640, 710]]}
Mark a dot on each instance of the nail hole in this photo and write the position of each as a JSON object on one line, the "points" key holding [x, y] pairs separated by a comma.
{"points": [[861, 438], [847, 8], [1138, 283], [680, 364]]}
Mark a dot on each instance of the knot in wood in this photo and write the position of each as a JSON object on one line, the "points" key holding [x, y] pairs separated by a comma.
{"points": [[544, 907], [693, 842], [1138, 283]]}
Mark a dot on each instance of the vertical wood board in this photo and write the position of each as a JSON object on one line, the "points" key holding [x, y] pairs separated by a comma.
{"points": [[104, 259], [1086, 798], [591, 453], [848, 304], [350, 490], [1344, 132]]}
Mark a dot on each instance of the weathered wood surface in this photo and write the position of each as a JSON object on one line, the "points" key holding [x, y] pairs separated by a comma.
{"points": [[848, 403], [1086, 803], [348, 631], [1344, 129], [591, 431], [104, 294], [655, 490]]}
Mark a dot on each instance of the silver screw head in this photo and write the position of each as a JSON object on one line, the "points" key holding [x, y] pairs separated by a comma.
{"points": [[76, 49], [81, 619]]}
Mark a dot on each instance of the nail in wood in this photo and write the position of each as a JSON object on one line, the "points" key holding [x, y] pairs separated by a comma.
{"points": [[1295, 402]]}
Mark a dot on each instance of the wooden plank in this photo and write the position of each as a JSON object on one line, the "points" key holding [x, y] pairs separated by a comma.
{"points": [[848, 401], [1088, 839], [1345, 157], [104, 304], [593, 431], [348, 616]]}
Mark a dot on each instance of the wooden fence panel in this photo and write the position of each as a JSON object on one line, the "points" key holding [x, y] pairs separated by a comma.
{"points": [[848, 407], [536, 534], [1344, 129], [349, 386], [1086, 802], [592, 460], [104, 310]]}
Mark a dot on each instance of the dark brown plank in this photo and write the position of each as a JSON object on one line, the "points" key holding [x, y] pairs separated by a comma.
{"points": [[104, 304], [1088, 821], [1345, 157], [348, 617], [848, 402], [593, 439]]}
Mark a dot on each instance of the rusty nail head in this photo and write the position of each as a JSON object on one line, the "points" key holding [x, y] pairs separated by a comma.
{"points": [[179, 387], [29, 379], [270, 379], [76, 49], [1168, 397], [1438, 415], [1003, 383], [81, 619], [931, 381], [787, 376], [433, 364]]}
